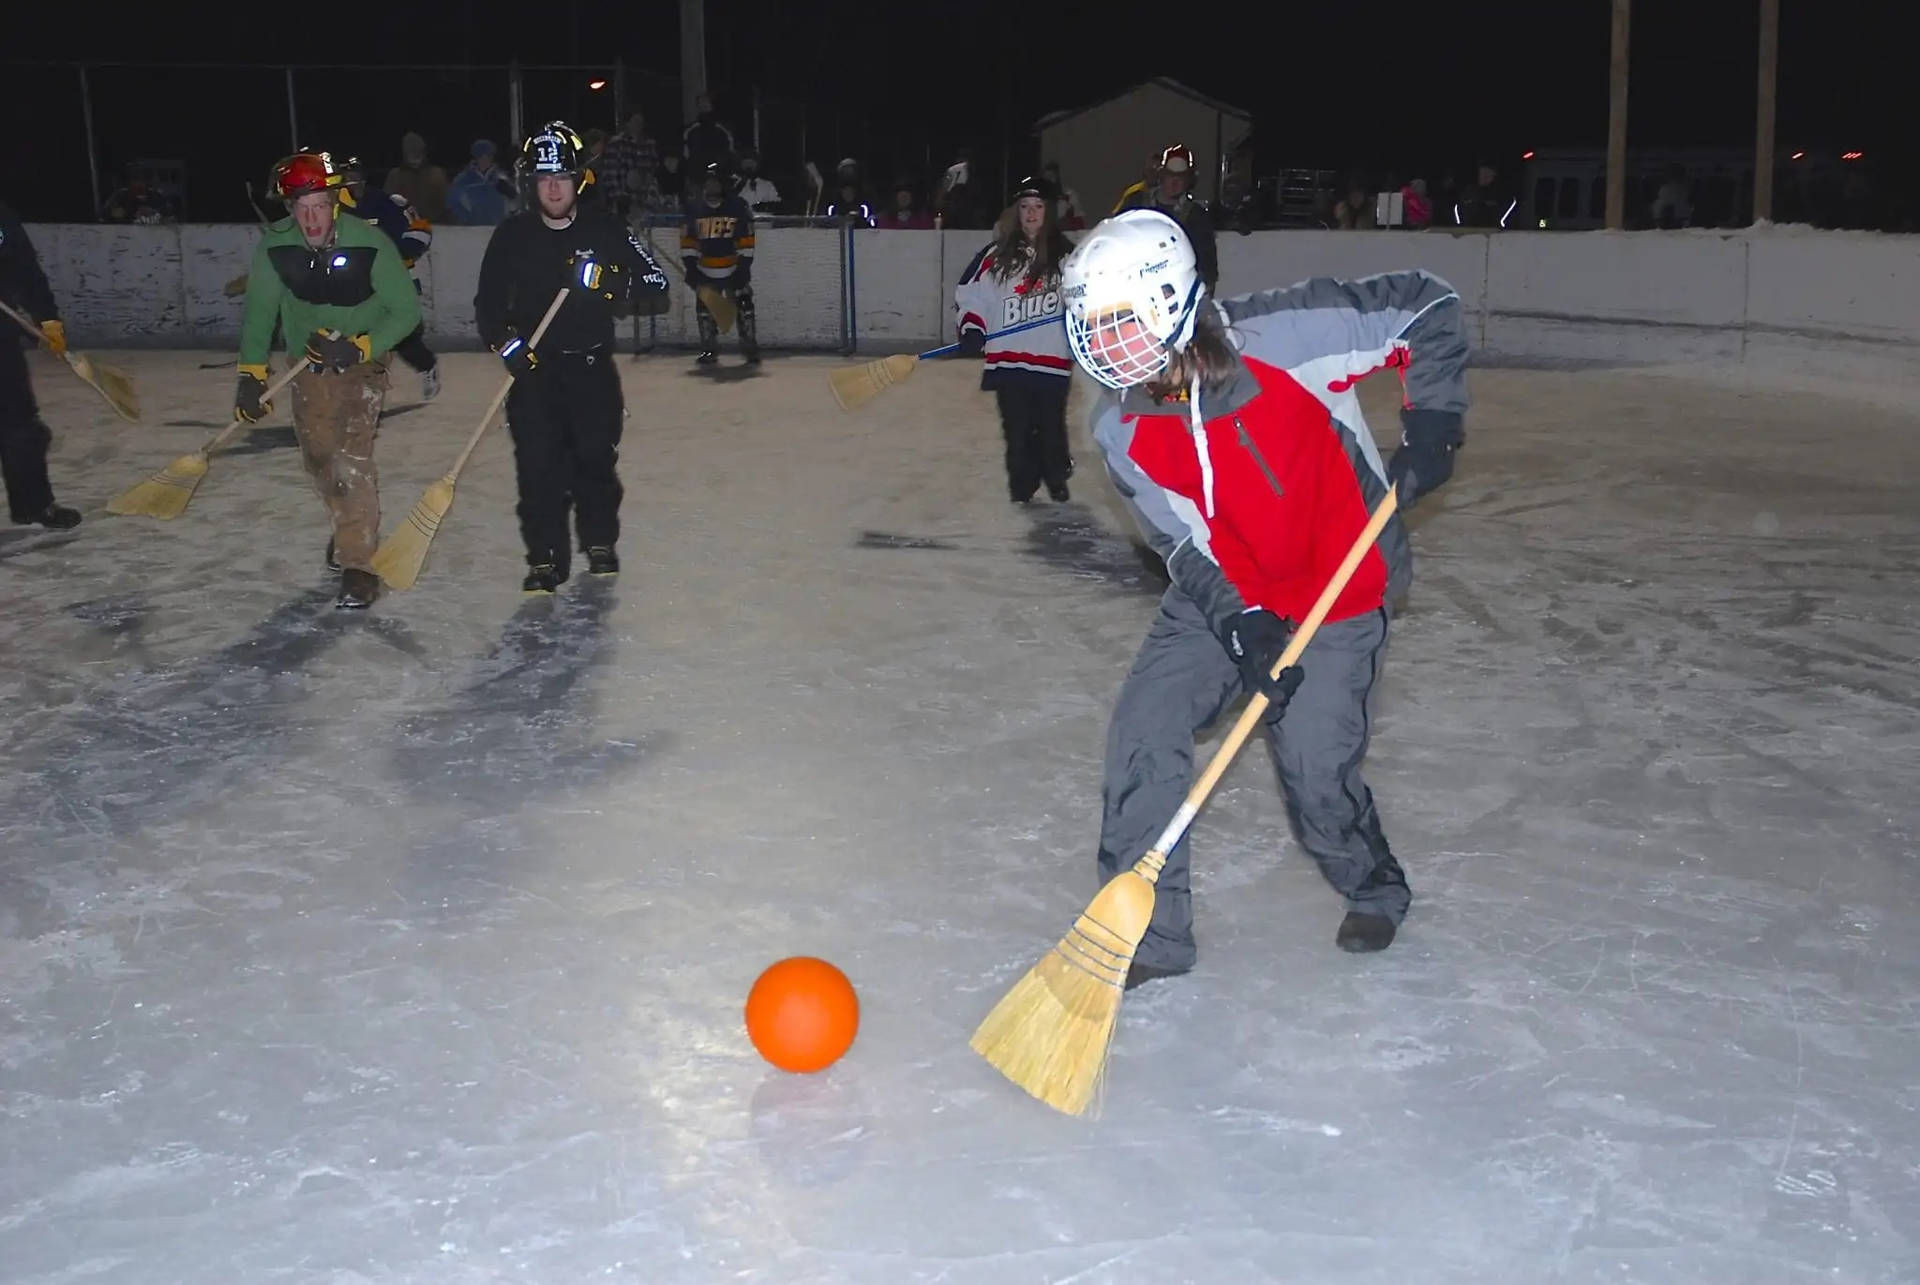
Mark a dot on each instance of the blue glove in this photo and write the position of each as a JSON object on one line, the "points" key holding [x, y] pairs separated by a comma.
{"points": [[520, 359]]}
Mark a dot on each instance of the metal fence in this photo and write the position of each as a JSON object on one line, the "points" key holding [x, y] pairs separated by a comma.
{"points": [[204, 134]]}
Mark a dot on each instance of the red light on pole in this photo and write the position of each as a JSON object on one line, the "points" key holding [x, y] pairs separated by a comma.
{"points": [[1526, 156]]}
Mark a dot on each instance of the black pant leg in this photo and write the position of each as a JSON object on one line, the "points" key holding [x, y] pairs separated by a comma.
{"points": [[536, 419], [414, 351], [745, 322], [1016, 425], [24, 438], [1050, 431], [709, 328], [596, 417]]}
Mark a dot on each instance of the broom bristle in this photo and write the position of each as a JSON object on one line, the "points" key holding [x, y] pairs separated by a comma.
{"points": [[165, 494], [719, 305], [114, 385], [857, 385], [1050, 1034], [398, 560]]}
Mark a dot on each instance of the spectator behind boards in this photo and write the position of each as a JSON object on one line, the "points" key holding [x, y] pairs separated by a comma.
{"points": [[481, 194]]}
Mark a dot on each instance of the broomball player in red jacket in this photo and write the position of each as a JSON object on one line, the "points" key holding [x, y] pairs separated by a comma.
{"points": [[1234, 434]]}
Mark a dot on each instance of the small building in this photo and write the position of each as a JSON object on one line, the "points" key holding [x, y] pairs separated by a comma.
{"points": [[1103, 148]]}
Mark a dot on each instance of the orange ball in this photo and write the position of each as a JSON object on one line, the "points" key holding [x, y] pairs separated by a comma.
{"points": [[802, 1014]]}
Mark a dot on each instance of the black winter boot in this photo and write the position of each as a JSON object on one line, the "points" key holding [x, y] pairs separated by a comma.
{"points": [[1363, 934], [602, 561], [543, 577], [333, 558], [55, 517], [358, 589]]}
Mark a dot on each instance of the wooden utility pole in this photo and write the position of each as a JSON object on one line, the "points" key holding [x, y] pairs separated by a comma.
{"points": [[1763, 116], [693, 56], [1617, 119]]}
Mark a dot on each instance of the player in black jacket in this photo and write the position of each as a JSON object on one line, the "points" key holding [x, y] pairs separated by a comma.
{"points": [[565, 410], [24, 437], [716, 246]]}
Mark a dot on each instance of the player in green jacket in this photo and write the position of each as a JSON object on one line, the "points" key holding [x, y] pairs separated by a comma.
{"points": [[339, 287]]}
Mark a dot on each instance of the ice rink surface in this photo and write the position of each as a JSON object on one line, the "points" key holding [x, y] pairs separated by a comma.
{"points": [[410, 946]]}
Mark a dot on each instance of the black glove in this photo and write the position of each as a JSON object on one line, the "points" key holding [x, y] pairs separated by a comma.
{"points": [[246, 398], [520, 358], [1425, 458], [591, 277], [331, 350], [742, 276], [972, 342], [1254, 640], [692, 275]]}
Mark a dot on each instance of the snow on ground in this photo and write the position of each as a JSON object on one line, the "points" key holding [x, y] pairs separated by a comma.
{"points": [[410, 946]]}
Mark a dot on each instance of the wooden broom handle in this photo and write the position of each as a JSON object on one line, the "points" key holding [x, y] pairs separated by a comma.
{"points": [[1250, 718], [26, 322], [500, 398]]}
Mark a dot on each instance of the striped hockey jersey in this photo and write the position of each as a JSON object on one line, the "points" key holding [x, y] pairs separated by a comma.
{"points": [[717, 239], [985, 304]]}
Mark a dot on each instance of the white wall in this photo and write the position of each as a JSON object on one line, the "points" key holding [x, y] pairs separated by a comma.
{"points": [[1103, 149], [1836, 303]]}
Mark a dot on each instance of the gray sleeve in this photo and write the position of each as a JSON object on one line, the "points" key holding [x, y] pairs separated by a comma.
{"points": [[1366, 322]]}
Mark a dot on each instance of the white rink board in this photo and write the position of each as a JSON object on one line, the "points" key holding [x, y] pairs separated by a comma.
{"points": [[1791, 298]]}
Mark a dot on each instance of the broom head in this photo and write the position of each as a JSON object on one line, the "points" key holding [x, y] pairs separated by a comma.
{"points": [[398, 560], [1050, 1033], [857, 385], [114, 385], [720, 304], [165, 494]]}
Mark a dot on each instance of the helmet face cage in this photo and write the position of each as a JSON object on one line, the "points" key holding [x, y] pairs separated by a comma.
{"points": [[1115, 346]]}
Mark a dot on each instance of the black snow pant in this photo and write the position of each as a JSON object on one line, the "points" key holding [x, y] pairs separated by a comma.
{"points": [[24, 438], [744, 320], [565, 417], [1033, 418], [1181, 682], [414, 351]]}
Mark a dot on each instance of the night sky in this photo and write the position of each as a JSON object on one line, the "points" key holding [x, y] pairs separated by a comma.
{"points": [[1377, 86]]}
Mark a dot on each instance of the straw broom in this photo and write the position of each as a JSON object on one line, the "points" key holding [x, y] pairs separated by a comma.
{"points": [[720, 304], [167, 493], [398, 560], [855, 386], [114, 385], [1051, 1032]]}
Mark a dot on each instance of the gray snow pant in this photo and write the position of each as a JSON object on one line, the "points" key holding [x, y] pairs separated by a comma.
{"points": [[1181, 682]]}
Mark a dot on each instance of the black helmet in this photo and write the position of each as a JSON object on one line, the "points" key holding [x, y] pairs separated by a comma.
{"points": [[556, 149], [1032, 186]]}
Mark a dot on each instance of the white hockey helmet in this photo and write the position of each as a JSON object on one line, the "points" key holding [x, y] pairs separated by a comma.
{"points": [[1131, 291]]}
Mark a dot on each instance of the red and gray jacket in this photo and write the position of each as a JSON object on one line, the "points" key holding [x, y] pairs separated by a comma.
{"points": [[1257, 505]]}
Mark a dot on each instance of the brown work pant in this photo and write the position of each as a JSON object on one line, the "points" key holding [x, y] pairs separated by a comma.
{"points": [[336, 416]]}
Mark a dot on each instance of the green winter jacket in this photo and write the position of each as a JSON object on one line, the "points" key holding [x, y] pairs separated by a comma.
{"points": [[358, 286]]}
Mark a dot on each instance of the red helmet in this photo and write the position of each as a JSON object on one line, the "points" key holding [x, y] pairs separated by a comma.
{"points": [[1177, 160], [304, 172]]}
